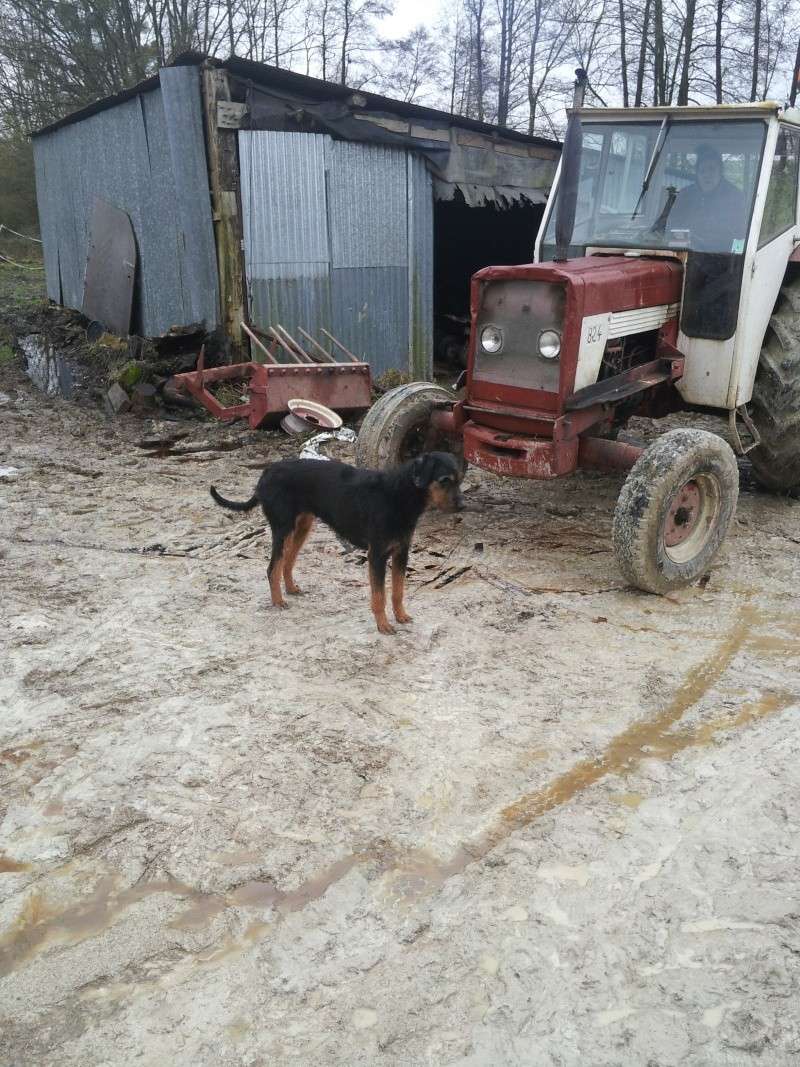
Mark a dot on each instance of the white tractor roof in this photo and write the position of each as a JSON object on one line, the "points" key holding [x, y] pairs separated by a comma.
{"points": [[764, 110]]}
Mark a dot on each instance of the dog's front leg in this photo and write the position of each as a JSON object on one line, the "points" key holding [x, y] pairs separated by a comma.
{"points": [[399, 565], [377, 582]]}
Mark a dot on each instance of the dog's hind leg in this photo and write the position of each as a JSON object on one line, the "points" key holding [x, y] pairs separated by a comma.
{"points": [[377, 582], [294, 542], [399, 565], [280, 535]]}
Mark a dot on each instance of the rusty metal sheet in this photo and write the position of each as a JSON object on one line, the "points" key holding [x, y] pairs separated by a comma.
{"points": [[110, 268]]}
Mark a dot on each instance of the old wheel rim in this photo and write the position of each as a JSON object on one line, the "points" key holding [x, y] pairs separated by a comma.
{"points": [[691, 517]]}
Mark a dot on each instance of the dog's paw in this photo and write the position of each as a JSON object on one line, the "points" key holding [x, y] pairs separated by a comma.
{"points": [[385, 627], [294, 590], [403, 617], [279, 604]]}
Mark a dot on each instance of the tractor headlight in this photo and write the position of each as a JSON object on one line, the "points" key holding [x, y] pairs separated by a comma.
{"points": [[491, 339], [549, 344]]}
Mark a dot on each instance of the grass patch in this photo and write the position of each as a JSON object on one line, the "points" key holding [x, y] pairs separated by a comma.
{"points": [[21, 289]]}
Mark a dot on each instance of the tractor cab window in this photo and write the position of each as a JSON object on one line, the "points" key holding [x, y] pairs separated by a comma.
{"points": [[780, 208], [674, 184]]}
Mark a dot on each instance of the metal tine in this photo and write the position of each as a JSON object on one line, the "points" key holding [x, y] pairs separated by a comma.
{"points": [[322, 351], [289, 351], [291, 341], [339, 344], [259, 344], [272, 343]]}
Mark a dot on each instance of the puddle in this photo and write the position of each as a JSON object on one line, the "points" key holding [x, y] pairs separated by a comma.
{"points": [[40, 924], [639, 741], [9, 866]]}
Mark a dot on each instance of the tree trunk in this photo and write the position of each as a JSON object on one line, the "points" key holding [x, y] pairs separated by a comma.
{"points": [[659, 81], [683, 88], [533, 97], [623, 56], [479, 56], [345, 42], [718, 51], [756, 47], [642, 55]]}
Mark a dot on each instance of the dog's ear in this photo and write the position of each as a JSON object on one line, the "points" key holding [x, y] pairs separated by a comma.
{"points": [[421, 471]]}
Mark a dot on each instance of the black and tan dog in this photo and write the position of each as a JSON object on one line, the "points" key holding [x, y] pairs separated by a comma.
{"points": [[375, 510]]}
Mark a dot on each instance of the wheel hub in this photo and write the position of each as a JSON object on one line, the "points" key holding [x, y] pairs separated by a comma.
{"points": [[683, 514]]}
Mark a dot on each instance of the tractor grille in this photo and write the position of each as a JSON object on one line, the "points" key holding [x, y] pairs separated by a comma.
{"points": [[521, 310]]}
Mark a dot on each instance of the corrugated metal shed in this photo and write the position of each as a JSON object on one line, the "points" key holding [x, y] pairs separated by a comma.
{"points": [[329, 192], [145, 156]]}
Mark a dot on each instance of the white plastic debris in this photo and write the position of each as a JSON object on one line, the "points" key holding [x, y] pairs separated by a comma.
{"points": [[311, 450], [10, 474]]}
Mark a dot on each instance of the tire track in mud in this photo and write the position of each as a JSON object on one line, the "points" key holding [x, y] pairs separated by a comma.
{"points": [[414, 872]]}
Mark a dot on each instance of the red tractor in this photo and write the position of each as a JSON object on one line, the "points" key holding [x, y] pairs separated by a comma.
{"points": [[666, 278]]}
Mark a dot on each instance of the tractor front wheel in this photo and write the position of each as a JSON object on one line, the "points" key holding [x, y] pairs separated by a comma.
{"points": [[398, 427], [776, 396], [675, 509]]}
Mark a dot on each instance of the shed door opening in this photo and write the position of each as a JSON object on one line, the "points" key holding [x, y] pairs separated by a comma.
{"points": [[465, 240]]}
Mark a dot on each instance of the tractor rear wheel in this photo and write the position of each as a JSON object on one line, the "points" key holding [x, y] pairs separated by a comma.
{"points": [[775, 406], [675, 509], [398, 427]]}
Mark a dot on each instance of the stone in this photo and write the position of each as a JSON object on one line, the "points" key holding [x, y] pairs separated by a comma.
{"points": [[118, 399]]}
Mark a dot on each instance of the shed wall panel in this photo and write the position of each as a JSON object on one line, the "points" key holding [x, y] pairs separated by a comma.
{"points": [[367, 205], [183, 112], [370, 314], [283, 198], [285, 229], [327, 229], [420, 268], [123, 155]]}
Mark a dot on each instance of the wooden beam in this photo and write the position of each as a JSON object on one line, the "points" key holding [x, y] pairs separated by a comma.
{"points": [[223, 173]]}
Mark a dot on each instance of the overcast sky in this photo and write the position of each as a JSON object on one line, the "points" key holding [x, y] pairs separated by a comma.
{"points": [[408, 14]]}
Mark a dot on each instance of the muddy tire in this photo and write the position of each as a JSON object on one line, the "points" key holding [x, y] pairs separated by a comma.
{"points": [[675, 509], [398, 427], [775, 406]]}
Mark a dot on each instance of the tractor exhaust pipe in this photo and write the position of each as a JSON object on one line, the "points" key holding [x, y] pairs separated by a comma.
{"points": [[570, 172]]}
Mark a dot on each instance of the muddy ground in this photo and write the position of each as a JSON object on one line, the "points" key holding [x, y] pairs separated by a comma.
{"points": [[553, 821]]}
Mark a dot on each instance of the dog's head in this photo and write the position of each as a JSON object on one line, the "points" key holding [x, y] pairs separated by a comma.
{"points": [[440, 474]]}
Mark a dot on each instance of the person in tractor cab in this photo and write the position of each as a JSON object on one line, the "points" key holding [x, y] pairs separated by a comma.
{"points": [[710, 206]]}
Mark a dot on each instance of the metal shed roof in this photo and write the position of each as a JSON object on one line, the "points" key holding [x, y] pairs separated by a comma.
{"points": [[314, 88]]}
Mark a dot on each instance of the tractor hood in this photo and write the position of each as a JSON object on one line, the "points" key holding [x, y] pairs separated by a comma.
{"points": [[539, 330]]}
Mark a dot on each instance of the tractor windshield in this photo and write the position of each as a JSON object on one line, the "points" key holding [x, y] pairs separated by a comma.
{"points": [[699, 196]]}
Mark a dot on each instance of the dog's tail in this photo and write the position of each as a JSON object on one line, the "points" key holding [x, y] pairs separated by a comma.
{"points": [[235, 505]]}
